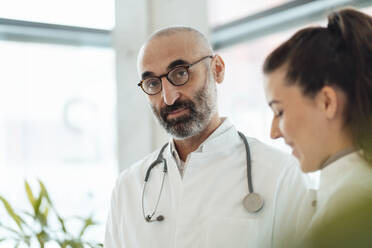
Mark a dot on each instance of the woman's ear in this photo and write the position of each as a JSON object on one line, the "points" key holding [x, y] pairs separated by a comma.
{"points": [[329, 102], [218, 68]]}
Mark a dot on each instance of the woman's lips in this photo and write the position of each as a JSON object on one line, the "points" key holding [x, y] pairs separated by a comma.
{"points": [[294, 152]]}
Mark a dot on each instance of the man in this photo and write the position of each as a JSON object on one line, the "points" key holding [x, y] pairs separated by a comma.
{"points": [[198, 202]]}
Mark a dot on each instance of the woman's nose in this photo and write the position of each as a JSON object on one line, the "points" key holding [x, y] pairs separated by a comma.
{"points": [[275, 131]]}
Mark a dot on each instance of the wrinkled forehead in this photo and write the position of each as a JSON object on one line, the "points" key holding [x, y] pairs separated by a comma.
{"points": [[159, 52]]}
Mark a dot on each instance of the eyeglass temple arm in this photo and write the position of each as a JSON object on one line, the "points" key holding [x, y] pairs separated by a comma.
{"points": [[209, 56]]}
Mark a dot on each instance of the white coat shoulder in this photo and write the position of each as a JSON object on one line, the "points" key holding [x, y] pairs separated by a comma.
{"points": [[292, 199], [271, 158], [135, 173], [129, 182]]}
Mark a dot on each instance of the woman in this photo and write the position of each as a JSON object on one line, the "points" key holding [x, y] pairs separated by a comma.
{"points": [[319, 86]]}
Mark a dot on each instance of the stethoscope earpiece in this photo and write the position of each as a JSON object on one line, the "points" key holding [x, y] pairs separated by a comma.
{"points": [[148, 218], [159, 218]]}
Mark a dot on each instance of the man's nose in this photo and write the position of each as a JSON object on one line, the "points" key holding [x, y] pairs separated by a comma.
{"points": [[275, 131], [169, 92]]}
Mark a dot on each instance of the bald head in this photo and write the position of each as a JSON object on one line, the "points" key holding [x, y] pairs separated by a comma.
{"points": [[192, 32], [188, 40]]}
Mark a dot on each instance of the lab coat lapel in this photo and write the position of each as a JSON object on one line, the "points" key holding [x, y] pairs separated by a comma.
{"points": [[174, 181]]}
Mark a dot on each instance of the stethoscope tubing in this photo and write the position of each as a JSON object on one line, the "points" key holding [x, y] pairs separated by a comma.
{"points": [[159, 160], [253, 202], [249, 162]]}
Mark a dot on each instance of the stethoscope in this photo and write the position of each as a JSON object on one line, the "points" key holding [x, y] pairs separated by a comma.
{"points": [[252, 202]]}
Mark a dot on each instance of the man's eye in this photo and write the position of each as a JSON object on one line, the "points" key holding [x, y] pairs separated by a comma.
{"points": [[181, 73], [152, 83]]}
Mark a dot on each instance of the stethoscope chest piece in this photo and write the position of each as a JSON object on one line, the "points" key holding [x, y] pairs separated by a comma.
{"points": [[253, 203]]}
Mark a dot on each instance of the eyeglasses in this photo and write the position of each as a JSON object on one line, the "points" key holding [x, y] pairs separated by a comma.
{"points": [[177, 76]]}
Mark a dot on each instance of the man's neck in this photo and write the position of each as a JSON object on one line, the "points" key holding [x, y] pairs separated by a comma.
{"points": [[186, 146]]}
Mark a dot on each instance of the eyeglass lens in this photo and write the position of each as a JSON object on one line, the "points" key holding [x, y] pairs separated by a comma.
{"points": [[177, 76]]}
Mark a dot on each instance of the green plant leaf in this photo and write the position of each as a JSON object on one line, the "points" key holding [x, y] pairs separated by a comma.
{"points": [[28, 213], [27, 240], [94, 245], [42, 237], [10, 229], [17, 219], [37, 205], [30, 196], [45, 192], [34, 225], [44, 216], [62, 222], [87, 222], [75, 243]]}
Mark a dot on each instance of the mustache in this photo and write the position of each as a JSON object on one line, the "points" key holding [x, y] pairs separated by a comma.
{"points": [[187, 104]]}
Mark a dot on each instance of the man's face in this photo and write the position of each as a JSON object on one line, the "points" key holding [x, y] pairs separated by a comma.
{"points": [[183, 111]]}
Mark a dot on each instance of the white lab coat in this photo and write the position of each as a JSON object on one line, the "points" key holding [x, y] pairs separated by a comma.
{"points": [[204, 208], [343, 183]]}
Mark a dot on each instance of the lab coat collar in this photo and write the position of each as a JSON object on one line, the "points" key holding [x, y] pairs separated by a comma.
{"points": [[221, 136], [338, 169], [338, 155]]}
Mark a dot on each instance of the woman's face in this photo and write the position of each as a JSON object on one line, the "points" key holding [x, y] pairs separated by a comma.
{"points": [[298, 119]]}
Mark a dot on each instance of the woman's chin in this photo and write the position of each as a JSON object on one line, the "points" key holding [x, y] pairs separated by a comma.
{"points": [[308, 166]]}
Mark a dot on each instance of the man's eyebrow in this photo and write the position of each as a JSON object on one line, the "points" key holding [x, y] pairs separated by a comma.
{"points": [[273, 102], [170, 66], [147, 74], [176, 63]]}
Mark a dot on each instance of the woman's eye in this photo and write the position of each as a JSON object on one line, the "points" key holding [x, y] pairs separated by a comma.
{"points": [[278, 113]]}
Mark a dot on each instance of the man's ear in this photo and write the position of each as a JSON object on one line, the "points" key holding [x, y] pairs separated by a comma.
{"points": [[218, 68], [329, 102]]}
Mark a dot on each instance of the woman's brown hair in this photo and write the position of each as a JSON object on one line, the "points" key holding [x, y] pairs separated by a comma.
{"points": [[339, 55]]}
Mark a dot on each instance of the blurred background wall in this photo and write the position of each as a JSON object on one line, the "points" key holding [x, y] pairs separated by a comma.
{"points": [[71, 113]]}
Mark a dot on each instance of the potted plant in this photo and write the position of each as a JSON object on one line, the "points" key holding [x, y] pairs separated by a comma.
{"points": [[43, 225]]}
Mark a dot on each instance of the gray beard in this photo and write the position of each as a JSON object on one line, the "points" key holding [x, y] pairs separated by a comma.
{"points": [[201, 110]]}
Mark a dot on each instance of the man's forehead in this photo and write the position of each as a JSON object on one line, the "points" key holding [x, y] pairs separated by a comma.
{"points": [[161, 51], [170, 47]]}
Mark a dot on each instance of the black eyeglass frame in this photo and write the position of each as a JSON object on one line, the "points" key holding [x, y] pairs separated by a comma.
{"points": [[186, 66]]}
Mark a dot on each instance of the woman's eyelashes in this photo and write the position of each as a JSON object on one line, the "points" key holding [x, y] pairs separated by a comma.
{"points": [[278, 113]]}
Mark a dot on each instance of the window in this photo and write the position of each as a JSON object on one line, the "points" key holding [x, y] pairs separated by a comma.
{"points": [[241, 95], [57, 113], [221, 11], [98, 14]]}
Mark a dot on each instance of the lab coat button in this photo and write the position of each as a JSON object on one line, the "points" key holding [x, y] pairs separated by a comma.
{"points": [[313, 203]]}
